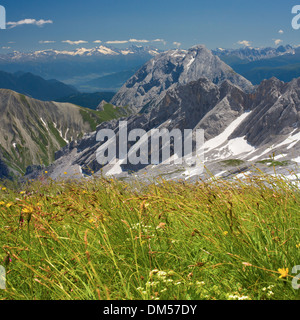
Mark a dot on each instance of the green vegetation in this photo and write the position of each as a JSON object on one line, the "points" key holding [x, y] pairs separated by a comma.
{"points": [[103, 239], [273, 163], [94, 118], [232, 162]]}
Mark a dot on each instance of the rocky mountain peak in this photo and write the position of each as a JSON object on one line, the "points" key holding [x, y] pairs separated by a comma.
{"points": [[171, 69]]}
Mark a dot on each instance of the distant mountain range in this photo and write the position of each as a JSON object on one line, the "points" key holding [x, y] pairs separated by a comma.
{"points": [[35, 86], [79, 52], [257, 65], [253, 54], [76, 66]]}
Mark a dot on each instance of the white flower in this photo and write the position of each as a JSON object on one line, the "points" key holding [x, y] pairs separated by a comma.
{"points": [[161, 274]]}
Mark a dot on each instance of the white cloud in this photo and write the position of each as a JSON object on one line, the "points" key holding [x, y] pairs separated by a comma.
{"points": [[281, 31], [140, 41], [177, 44], [28, 22], [160, 40], [277, 41], [97, 41], [46, 41], [74, 42], [245, 43], [6, 48], [117, 41]]}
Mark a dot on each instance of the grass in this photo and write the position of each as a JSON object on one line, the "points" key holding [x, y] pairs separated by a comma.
{"points": [[274, 163], [105, 239], [232, 162]]}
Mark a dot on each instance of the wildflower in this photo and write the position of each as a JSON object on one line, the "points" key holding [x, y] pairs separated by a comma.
{"points": [[3, 189], [225, 233], [161, 274], [283, 272], [46, 172], [65, 172], [298, 246], [2, 203], [28, 210], [154, 271], [270, 293], [8, 205], [22, 192]]}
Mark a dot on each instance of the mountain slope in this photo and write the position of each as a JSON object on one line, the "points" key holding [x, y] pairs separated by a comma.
{"points": [[170, 69], [239, 126], [87, 100], [31, 131], [35, 86]]}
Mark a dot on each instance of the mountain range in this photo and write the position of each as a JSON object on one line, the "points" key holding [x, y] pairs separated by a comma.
{"points": [[257, 65], [78, 66], [194, 89], [254, 54], [184, 89], [35, 86]]}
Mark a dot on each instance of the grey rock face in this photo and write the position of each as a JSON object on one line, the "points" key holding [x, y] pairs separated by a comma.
{"points": [[101, 105], [171, 69], [276, 112], [199, 104]]}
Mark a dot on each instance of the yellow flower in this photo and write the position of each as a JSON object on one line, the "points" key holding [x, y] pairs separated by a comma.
{"points": [[28, 210], [225, 233], [8, 205], [2, 203], [283, 272], [3, 189], [46, 172], [65, 172], [298, 246], [22, 192]]}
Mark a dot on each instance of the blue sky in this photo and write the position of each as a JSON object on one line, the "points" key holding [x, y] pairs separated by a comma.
{"points": [[39, 25]]}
